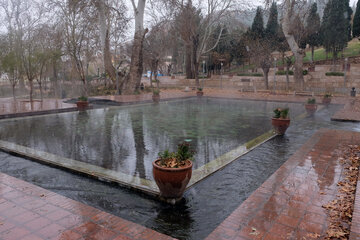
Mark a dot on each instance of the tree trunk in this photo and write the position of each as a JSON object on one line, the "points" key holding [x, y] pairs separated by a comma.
{"points": [[266, 76], [188, 69], [296, 50], [13, 91], [132, 83], [109, 68], [288, 64], [136, 66], [312, 54], [105, 40], [41, 91], [31, 90], [195, 60]]}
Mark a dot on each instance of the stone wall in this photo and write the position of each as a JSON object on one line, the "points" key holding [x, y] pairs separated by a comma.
{"points": [[315, 81]]}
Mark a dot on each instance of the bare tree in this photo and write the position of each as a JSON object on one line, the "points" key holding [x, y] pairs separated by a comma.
{"points": [[132, 83], [156, 47], [292, 9], [112, 24], [76, 17]]}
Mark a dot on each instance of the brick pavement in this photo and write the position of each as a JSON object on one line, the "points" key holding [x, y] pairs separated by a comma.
{"points": [[28, 212], [350, 112], [20, 107], [289, 204]]}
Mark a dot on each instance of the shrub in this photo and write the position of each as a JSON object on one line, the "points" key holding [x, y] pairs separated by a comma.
{"points": [[83, 99], [250, 74], [200, 89], [311, 101], [339, 74], [291, 73], [327, 95], [178, 158], [156, 91], [281, 113]]}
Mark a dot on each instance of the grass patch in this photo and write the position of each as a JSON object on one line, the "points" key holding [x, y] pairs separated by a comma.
{"points": [[259, 139]]}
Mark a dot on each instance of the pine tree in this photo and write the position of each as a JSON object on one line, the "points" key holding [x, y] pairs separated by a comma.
{"points": [[313, 29], [335, 25], [348, 12], [272, 26], [356, 24], [257, 28]]}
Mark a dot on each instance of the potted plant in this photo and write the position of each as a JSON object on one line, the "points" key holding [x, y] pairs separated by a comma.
{"points": [[327, 98], [311, 106], [199, 92], [82, 103], [156, 95], [172, 171], [281, 120]]}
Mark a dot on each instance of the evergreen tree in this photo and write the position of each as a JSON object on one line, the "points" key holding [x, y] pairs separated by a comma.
{"points": [[348, 13], [313, 29], [356, 24], [335, 26], [257, 28], [272, 25]]}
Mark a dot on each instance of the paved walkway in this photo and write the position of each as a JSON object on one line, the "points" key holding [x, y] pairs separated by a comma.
{"points": [[21, 107], [350, 112], [28, 212], [289, 204], [223, 93]]}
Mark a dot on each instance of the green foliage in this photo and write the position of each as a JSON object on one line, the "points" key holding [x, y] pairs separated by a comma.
{"points": [[356, 23], [272, 26], [10, 62], [339, 74], [311, 101], [313, 27], [250, 74], [281, 113], [166, 155], [327, 95], [200, 89], [257, 28], [83, 99], [291, 73], [335, 26], [156, 91], [184, 152]]}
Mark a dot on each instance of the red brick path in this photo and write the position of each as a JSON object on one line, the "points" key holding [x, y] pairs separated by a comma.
{"points": [[28, 212], [223, 93], [11, 108], [289, 204], [350, 112]]}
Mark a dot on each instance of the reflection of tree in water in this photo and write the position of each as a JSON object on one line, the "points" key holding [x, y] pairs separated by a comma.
{"points": [[79, 135], [136, 117], [107, 143]]}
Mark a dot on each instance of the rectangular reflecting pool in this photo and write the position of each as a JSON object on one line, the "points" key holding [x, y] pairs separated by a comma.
{"points": [[119, 143]]}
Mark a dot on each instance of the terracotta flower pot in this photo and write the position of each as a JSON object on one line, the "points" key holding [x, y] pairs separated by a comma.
{"points": [[172, 181], [82, 105], [156, 98], [326, 101], [311, 108], [199, 93], [280, 125]]}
